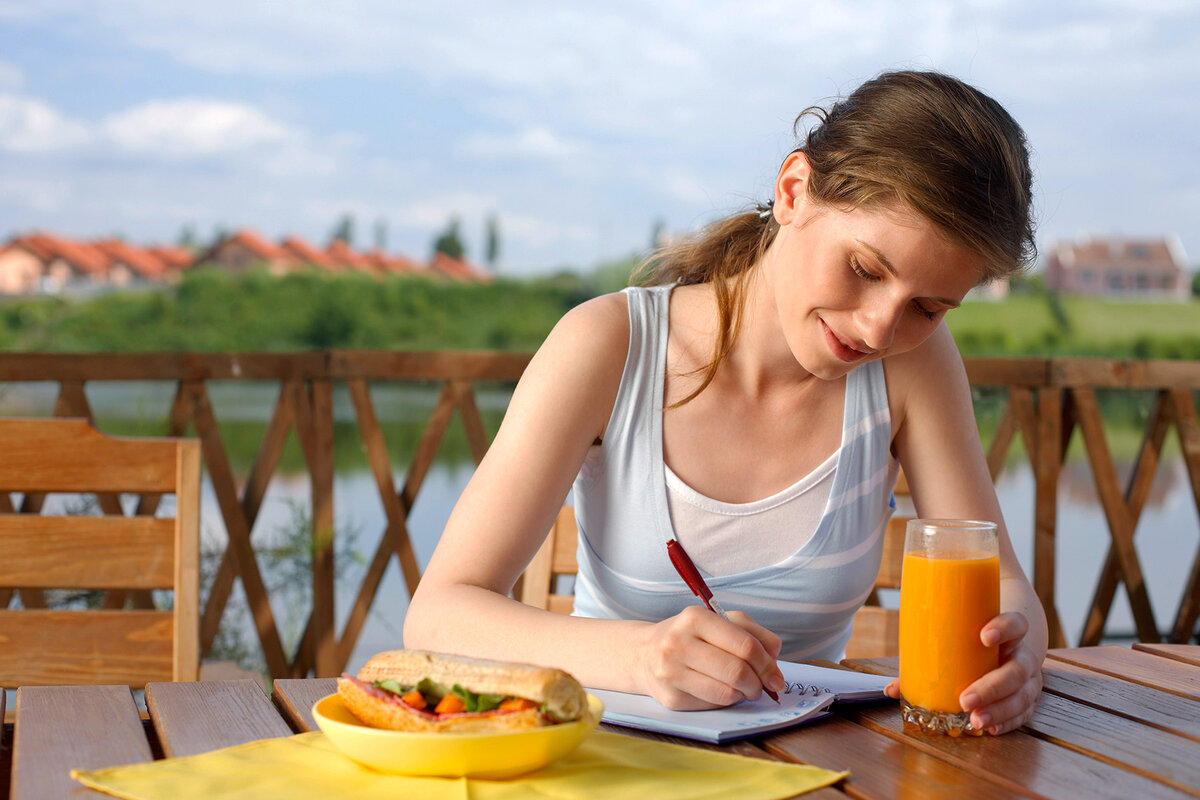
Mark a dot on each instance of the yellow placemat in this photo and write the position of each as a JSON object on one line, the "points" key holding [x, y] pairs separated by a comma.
{"points": [[608, 765]]}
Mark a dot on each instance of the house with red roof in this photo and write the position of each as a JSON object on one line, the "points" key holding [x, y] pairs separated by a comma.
{"points": [[307, 253], [245, 249], [63, 263], [43, 262], [1111, 267], [131, 266], [388, 264], [22, 264], [457, 269], [177, 259], [350, 259]]}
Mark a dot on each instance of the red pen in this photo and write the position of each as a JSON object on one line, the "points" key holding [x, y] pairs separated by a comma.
{"points": [[691, 576]]}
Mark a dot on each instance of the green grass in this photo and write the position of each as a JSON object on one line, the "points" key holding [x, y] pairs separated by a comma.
{"points": [[1044, 325], [217, 312]]}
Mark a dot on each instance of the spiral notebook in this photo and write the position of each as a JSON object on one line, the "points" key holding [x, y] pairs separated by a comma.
{"points": [[810, 691]]}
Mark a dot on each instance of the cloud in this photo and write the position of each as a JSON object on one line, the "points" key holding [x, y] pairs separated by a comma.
{"points": [[186, 127], [28, 125], [176, 129], [535, 142]]}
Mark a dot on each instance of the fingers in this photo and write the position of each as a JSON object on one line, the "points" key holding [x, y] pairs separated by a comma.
{"points": [[700, 660], [765, 661], [1005, 698], [1008, 627]]}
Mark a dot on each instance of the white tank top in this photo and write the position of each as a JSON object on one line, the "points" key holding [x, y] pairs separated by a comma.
{"points": [[807, 597], [723, 538]]}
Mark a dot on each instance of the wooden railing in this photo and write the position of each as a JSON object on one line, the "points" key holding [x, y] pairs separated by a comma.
{"points": [[1046, 401]]}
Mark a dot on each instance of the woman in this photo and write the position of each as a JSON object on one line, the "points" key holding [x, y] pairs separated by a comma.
{"points": [[756, 403]]}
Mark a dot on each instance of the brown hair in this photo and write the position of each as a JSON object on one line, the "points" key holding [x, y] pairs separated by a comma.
{"points": [[923, 140]]}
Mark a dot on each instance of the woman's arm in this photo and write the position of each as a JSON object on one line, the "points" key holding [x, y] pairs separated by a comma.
{"points": [[937, 441], [559, 409]]}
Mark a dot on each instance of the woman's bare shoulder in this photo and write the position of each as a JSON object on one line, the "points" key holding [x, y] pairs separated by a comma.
{"points": [[578, 368], [931, 368], [597, 328]]}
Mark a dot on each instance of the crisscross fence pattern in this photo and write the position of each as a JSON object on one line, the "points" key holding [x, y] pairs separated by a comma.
{"points": [[1044, 402]]}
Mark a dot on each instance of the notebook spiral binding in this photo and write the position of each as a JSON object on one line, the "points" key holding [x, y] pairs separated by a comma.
{"points": [[801, 689]]}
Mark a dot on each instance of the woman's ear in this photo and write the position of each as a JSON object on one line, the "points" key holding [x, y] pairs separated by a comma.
{"points": [[791, 188]]}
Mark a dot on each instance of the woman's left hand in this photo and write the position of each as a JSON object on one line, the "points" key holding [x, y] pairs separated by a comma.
{"points": [[1005, 698]]}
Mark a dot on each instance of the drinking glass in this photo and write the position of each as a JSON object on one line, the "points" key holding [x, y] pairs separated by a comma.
{"points": [[949, 589]]}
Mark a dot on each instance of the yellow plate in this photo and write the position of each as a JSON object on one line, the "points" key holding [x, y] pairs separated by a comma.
{"points": [[478, 755]]}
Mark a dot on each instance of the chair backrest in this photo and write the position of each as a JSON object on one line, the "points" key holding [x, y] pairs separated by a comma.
{"points": [[553, 565], [76, 551], [875, 631]]}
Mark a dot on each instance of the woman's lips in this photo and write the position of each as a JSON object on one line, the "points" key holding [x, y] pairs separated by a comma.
{"points": [[841, 348]]}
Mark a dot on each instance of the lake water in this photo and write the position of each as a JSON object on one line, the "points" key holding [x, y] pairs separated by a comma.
{"points": [[1167, 540]]}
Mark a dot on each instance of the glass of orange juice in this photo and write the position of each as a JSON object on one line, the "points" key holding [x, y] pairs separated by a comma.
{"points": [[949, 589]]}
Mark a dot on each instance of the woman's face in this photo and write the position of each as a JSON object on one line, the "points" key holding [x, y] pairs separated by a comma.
{"points": [[856, 286]]}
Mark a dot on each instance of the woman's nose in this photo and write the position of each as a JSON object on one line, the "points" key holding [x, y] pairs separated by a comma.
{"points": [[879, 324]]}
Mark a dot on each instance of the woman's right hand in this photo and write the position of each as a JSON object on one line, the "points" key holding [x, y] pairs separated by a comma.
{"points": [[697, 660]]}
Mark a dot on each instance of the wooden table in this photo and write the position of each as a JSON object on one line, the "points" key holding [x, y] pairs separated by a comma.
{"points": [[1113, 722]]}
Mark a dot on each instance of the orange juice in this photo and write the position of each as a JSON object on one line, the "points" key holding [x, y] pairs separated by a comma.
{"points": [[945, 600]]}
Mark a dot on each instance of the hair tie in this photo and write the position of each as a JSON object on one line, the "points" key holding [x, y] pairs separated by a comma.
{"points": [[766, 210]]}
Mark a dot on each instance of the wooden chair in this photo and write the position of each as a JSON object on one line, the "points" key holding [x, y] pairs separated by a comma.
{"points": [[875, 631], [553, 565], [117, 553]]}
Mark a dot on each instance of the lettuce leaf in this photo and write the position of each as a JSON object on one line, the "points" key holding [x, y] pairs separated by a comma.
{"points": [[478, 702], [389, 685], [433, 692]]}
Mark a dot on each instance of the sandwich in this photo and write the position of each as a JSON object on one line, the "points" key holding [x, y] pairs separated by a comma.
{"points": [[423, 692]]}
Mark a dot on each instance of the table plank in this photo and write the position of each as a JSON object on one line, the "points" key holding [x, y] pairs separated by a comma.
{"points": [[1020, 761], [1163, 710], [880, 766], [63, 727], [1158, 755], [1187, 653], [1136, 666], [199, 716], [1019, 753], [294, 697]]}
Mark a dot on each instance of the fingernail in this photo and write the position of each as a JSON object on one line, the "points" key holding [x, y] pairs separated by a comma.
{"points": [[776, 683], [980, 720], [991, 638], [969, 701]]}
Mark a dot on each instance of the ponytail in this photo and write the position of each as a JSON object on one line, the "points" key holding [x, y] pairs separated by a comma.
{"points": [[721, 255]]}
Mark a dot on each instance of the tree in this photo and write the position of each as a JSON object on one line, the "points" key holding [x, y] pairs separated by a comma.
{"points": [[1196, 284], [449, 241], [493, 241], [187, 237], [380, 235], [657, 232], [344, 230]]}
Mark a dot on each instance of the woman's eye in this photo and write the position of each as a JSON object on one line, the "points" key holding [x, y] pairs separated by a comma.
{"points": [[923, 311], [860, 272]]}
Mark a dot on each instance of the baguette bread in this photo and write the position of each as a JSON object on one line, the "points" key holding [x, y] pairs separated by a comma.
{"points": [[558, 697]]}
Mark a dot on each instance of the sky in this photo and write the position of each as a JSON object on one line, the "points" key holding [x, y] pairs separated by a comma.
{"points": [[580, 127]]}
